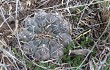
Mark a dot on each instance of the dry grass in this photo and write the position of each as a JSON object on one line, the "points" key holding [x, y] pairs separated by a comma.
{"points": [[90, 29]]}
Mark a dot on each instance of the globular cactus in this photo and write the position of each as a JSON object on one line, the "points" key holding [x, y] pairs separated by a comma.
{"points": [[45, 34]]}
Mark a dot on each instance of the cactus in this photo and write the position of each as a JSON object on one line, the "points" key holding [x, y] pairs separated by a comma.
{"points": [[45, 35]]}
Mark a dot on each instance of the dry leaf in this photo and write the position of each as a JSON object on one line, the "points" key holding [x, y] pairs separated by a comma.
{"points": [[91, 65], [79, 51]]}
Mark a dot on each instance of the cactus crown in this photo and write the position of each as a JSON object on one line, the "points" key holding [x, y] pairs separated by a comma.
{"points": [[46, 34]]}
